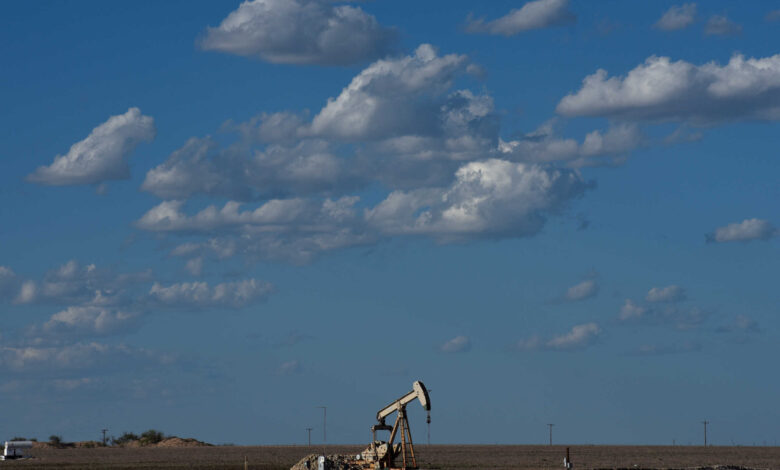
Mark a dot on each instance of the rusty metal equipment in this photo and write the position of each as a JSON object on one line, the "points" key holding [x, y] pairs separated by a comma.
{"points": [[387, 454]]}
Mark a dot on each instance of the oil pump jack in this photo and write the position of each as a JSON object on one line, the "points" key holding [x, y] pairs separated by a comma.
{"points": [[386, 455]]}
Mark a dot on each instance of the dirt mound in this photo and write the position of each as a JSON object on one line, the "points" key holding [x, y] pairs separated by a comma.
{"points": [[181, 442], [334, 461]]}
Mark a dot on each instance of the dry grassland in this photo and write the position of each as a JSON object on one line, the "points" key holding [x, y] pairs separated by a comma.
{"points": [[438, 457]]}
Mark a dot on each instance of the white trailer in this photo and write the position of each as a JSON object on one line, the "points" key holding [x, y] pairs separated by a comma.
{"points": [[16, 449]]}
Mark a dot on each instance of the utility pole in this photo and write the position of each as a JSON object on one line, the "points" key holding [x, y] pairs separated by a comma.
{"points": [[551, 426], [705, 423], [104, 436], [324, 423], [309, 429]]}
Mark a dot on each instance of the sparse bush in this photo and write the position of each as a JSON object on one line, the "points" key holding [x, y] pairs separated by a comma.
{"points": [[19, 439], [55, 440], [151, 437], [125, 438]]}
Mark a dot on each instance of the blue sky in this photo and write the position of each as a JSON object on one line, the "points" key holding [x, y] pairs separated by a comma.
{"points": [[219, 216]]}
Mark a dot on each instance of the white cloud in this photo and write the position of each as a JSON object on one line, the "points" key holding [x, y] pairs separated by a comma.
{"points": [[631, 311], [677, 17], [773, 15], [533, 15], [488, 199], [391, 97], [457, 344], [200, 295], [59, 360], [661, 89], [89, 321], [300, 32], [665, 294], [200, 167], [682, 318], [9, 282], [27, 293], [102, 155], [290, 368], [195, 266], [579, 337], [748, 229], [721, 25], [608, 147], [584, 290]]}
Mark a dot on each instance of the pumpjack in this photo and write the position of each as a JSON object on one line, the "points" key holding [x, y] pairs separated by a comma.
{"points": [[399, 456]]}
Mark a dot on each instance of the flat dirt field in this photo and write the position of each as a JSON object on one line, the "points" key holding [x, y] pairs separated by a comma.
{"points": [[431, 457]]}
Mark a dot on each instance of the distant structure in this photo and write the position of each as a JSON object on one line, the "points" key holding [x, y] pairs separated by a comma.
{"points": [[104, 436], [705, 423], [309, 429], [551, 426], [16, 449]]}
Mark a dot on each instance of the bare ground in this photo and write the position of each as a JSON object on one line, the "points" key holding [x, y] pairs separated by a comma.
{"points": [[435, 457]]}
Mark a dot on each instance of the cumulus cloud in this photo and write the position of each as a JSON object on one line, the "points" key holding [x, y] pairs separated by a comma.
{"points": [[391, 97], [102, 156], [677, 17], [300, 32], [9, 282], [200, 295], [488, 199], [773, 15], [747, 230], [721, 25], [661, 89], [666, 294], [88, 321], [290, 368], [608, 147], [61, 360], [740, 324], [457, 344], [579, 337], [584, 290], [536, 14], [74, 283], [662, 312], [301, 168]]}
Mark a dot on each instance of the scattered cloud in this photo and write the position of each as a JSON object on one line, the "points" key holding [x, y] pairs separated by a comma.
{"points": [[536, 14], [666, 294], [88, 321], [747, 230], [677, 17], [773, 15], [489, 199], [663, 90], [290, 368], [584, 290], [370, 108], [663, 312], [200, 295], [579, 337], [720, 25], [610, 147], [457, 344], [63, 360], [740, 324], [300, 32], [102, 156]]}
